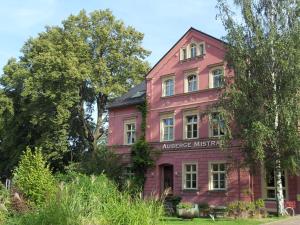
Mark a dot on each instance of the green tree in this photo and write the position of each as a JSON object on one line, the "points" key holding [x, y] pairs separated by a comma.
{"points": [[64, 76], [33, 178], [263, 100]]}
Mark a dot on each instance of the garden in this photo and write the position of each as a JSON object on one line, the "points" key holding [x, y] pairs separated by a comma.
{"points": [[41, 197]]}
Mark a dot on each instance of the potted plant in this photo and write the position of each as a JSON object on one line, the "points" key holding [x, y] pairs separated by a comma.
{"points": [[186, 210]]}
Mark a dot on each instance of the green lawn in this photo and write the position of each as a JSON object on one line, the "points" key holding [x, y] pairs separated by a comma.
{"points": [[208, 221]]}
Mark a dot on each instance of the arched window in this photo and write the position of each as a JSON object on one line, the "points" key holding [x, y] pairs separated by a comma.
{"points": [[193, 50], [192, 83]]}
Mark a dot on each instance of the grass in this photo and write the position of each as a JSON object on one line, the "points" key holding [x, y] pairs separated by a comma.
{"points": [[208, 221]]}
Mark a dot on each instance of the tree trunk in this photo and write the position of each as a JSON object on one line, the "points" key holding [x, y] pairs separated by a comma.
{"points": [[279, 189]]}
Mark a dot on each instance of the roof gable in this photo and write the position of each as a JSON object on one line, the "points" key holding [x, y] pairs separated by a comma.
{"points": [[190, 32]]}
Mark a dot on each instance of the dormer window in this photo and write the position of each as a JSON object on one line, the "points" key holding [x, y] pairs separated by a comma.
{"points": [[193, 50], [184, 55], [202, 48]]}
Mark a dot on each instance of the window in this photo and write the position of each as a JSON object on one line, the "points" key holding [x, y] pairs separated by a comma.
{"points": [[217, 176], [202, 48], [168, 86], [130, 132], [217, 125], [217, 78], [192, 83], [128, 172], [190, 176], [191, 126], [270, 183], [193, 50], [167, 129], [184, 55]]}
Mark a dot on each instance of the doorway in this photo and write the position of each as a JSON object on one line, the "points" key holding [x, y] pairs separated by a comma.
{"points": [[167, 178]]}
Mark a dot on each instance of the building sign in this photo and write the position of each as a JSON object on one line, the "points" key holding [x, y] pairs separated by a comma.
{"points": [[191, 145]]}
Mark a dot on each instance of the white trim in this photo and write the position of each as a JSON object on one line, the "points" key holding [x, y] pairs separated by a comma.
{"points": [[184, 123], [183, 178], [127, 122], [210, 129], [264, 185], [186, 75], [163, 88], [210, 77], [162, 117], [210, 173]]}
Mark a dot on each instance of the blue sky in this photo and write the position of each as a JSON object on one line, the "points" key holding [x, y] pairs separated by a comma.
{"points": [[162, 21]]}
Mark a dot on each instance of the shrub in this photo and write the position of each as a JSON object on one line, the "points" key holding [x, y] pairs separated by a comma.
{"points": [[4, 204], [94, 200], [185, 205], [246, 209], [33, 177]]}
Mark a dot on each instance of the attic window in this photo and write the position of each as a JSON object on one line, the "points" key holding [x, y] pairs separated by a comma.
{"points": [[138, 94], [193, 50]]}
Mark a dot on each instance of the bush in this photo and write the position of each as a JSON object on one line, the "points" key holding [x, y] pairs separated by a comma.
{"points": [[94, 200], [242, 209], [4, 204], [33, 178]]}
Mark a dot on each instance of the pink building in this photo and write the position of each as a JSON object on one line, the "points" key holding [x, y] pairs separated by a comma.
{"points": [[179, 89]]}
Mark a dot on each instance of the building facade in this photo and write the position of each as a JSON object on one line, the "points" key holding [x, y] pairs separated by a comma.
{"points": [[180, 89]]}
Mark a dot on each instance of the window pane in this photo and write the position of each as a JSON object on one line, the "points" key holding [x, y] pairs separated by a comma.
{"points": [[215, 167], [194, 184], [270, 179], [215, 177], [222, 167], [194, 177], [194, 168], [188, 168], [222, 176], [215, 184], [271, 193], [222, 184]]}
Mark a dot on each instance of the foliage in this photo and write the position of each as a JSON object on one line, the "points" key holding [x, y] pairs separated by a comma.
{"points": [[263, 96], [94, 200], [101, 161], [244, 209], [185, 205], [141, 160], [33, 177], [4, 204], [64, 76]]}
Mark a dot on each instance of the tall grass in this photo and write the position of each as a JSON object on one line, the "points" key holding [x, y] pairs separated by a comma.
{"points": [[94, 200]]}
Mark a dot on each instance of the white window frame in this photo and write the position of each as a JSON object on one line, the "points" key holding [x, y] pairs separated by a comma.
{"points": [[163, 83], [127, 172], [183, 54], [162, 127], [211, 76], [129, 122], [204, 49], [211, 131], [265, 188], [184, 173], [195, 51], [186, 82], [185, 115], [211, 173]]}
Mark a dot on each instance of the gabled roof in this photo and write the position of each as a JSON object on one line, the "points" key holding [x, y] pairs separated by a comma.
{"points": [[137, 94], [134, 96], [189, 30]]}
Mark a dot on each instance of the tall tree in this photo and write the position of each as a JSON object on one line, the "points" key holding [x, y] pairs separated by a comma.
{"points": [[264, 99], [65, 76]]}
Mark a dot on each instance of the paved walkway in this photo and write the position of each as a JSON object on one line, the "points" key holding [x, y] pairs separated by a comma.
{"points": [[290, 221]]}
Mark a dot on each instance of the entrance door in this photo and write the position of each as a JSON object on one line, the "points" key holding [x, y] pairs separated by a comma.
{"points": [[167, 181]]}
